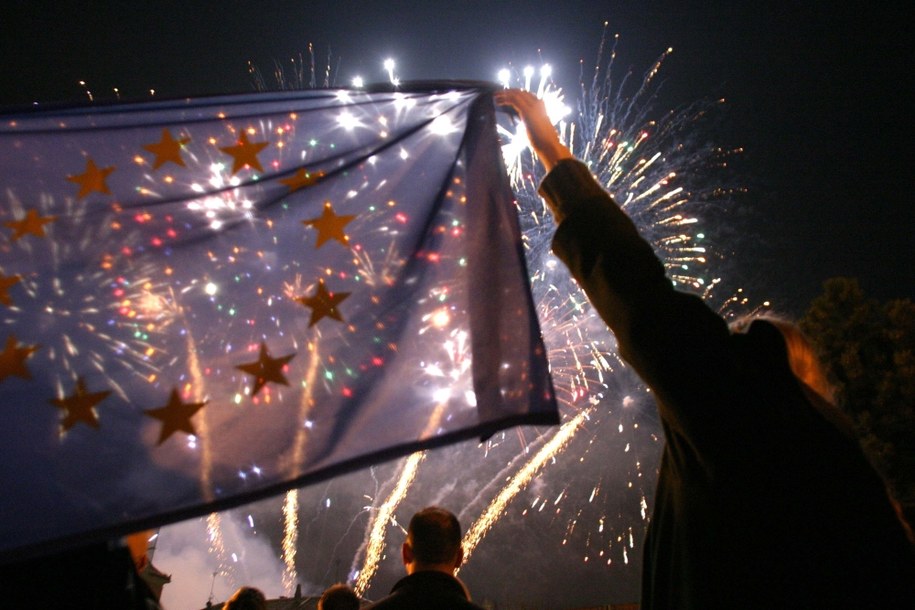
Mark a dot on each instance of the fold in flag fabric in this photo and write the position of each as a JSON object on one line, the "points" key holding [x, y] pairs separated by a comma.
{"points": [[210, 301]]}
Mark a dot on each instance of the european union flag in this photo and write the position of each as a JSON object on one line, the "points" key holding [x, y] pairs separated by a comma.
{"points": [[210, 301]]}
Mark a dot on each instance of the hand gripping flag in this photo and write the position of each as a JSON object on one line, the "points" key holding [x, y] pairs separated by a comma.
{"points": [[210, 301]]}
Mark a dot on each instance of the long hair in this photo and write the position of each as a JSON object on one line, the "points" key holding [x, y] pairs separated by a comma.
{"points": [[802, 358], [806, 366]]}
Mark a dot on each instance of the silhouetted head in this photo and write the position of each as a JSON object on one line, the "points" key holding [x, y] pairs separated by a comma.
{"points": [[803, 360], [246, 598], [433, 541], [339, 597]]}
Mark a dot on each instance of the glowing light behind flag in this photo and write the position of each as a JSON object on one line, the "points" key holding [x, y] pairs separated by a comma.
{"points": [[210, 301]]}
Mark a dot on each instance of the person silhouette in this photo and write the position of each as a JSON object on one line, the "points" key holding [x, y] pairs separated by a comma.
{"points": [[764, 499], [431, 554]]}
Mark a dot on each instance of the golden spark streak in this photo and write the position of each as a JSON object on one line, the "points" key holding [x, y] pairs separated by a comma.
{"points": [[198, 384], [291, 503], [290, 538], [386, 511], [519, 481], [383, 515]]}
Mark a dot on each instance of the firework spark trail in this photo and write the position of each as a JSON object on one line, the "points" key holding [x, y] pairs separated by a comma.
{"points": [[214, 521], [381, 273], [449, 371], [294, 77], [198, 388], [565, 343], [485, 521], [291, 502], [290, 538], [218, 547], [385, 513], [601, 104], [497, 481], [375, 531], [456, 349]]}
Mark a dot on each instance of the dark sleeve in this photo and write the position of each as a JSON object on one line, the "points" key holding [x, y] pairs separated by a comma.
{"points": [[672, 339]]}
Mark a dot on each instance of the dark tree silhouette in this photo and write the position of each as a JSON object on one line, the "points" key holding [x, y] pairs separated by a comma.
{"points": [[868, 349]]}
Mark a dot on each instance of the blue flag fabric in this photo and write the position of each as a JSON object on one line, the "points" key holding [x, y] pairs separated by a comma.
{"points": [[210, 301]]}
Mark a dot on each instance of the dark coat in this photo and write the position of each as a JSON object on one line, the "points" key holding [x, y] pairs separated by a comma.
{"points": [[762, 500], [427, 590]]}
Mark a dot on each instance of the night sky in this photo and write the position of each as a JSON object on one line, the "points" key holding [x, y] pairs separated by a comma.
{"points": [[818, 98], [817, 95]]}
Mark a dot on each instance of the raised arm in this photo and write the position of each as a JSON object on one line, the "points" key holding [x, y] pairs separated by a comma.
{"points": [[540, 130], [670, 338]]}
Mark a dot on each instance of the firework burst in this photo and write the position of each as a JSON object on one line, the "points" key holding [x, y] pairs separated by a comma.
{"points": [[94, 291], [582, 490]]}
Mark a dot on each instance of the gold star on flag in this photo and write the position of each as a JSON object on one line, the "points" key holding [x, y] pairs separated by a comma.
{"points": [[80, 406], [329, 225], [13, 357], [175, 416], [301, 179], [92, 180], [7, 282], [167, 149], [32, 223], [323, 304], [245, 153], [266, 369]]}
